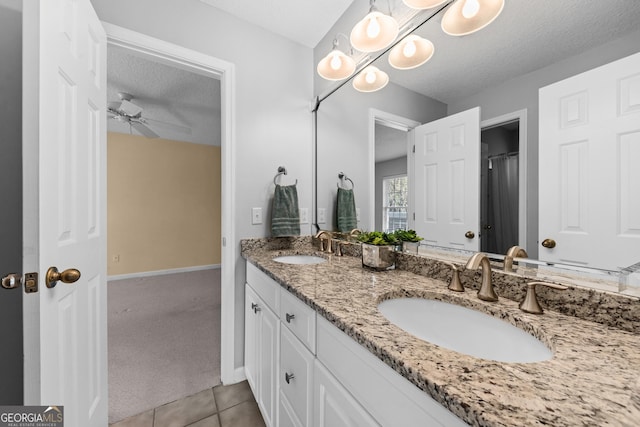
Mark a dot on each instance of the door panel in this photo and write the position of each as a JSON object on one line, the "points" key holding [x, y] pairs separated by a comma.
{"points": [[64, 164], [589, 144], [447, 180]]}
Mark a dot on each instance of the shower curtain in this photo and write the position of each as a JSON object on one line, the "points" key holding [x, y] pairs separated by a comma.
{"points": [[504, 190]]}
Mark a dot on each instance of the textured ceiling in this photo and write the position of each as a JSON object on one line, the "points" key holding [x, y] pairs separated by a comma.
{"points": [[304, 21], [527, 36], [178, 104]]}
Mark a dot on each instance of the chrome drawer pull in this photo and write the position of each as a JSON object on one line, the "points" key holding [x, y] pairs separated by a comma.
{"points": [[288, 377]]}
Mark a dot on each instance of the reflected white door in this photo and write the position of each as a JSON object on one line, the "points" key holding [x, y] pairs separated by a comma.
{"points": [[64, 164], [589, 177], [447, 181]]}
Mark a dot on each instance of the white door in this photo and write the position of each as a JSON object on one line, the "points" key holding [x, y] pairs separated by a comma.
{"points": [[589, 179], [447, 181], [64, 190]]}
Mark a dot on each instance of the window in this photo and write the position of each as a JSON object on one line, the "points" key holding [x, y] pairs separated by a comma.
{"points": [[394, 203]]}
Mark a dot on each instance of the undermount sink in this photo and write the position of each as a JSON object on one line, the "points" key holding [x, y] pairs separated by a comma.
{"points": [[464, 330], [300, 259]]}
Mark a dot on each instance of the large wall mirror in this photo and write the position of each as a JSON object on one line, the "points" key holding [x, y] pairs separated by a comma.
{"points": [[499, 69]]}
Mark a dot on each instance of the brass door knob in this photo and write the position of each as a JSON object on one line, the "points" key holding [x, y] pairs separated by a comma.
{"points": [[549, 243], [469, 234], [69, 275]]}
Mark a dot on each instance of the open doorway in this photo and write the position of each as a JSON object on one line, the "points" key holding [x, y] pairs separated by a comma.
{"points": [[164, 254], [503, 183]]}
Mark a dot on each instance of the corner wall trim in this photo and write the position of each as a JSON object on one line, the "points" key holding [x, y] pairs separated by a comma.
{"points": [[161, 272]]}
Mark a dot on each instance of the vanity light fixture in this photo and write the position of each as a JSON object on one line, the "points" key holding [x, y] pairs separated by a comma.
{"points": [[468, 16], [370, 79], [411, 52], [424, 4], [375, 31], [336, 65]]}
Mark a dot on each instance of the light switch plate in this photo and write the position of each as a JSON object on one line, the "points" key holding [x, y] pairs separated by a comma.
{"points": [[322, 216], [304, 215], [256, 216]]}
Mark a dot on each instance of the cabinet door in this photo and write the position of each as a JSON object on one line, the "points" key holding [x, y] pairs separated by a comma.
{"points": [[296, 376], [262, 332], [268, 338], [250, 338], [333, 405]]}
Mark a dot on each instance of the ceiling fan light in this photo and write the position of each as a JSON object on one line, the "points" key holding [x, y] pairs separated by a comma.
{"points": [[468, 16], [423, 4], [336, 66], [375, 32], [370, 79], [411, 52]]}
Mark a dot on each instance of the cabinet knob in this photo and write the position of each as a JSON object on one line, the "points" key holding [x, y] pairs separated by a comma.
{"points": [[290, 317], [288, 377]]}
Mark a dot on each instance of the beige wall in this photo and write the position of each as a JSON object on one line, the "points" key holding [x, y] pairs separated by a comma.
{"points": [[163, 204]]}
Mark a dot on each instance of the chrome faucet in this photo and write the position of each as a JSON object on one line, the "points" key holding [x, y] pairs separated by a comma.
{"points": [[513, 252], [530, 303], [480, 260], [455, 284], [325, 240]]}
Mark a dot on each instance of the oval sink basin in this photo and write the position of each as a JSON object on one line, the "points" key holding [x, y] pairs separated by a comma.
{"points": [[300, 259], [464, 330]]}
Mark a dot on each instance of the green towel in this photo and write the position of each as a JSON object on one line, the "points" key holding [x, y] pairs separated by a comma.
{"points": [[285, 218], [346, 210]]}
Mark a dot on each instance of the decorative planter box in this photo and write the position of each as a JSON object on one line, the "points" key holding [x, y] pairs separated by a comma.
{"points": [[410, 247], [378, 257]]}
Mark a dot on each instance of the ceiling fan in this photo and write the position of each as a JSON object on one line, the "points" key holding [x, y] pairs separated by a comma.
{"points": [[126, 111]]}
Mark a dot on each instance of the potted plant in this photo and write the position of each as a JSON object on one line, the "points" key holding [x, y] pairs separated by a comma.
{"points": [[378, 249], [410, 240]]}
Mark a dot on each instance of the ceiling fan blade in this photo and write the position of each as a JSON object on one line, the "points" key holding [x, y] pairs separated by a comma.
{"points": [[143, 129], [129, 108], [167, 126]]}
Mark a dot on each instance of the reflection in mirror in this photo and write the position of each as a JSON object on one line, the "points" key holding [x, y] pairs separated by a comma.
{"points": [[500, 69]]}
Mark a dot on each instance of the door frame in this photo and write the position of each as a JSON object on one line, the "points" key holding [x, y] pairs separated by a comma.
{"points": [[521, 117], [197, 62], [396, 122]]}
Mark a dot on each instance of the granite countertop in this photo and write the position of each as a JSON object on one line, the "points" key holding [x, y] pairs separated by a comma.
{"points": [[593, 378]]}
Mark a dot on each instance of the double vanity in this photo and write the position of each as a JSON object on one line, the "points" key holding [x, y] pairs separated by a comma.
{"points": [[331, 343]]}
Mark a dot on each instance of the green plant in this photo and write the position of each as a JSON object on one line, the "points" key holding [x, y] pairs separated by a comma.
{"points": [[378, 238], [407, 236]]}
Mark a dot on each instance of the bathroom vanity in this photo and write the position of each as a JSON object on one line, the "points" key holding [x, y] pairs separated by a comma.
{"points": [[318, 352]]}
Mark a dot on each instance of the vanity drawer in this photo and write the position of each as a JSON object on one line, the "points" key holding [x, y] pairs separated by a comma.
{"points": [[266, 288], [296, 378], [299, 318]]}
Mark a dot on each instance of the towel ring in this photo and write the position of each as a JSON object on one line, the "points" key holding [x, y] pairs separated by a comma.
{"points": [[343, 178], [281, 171]]}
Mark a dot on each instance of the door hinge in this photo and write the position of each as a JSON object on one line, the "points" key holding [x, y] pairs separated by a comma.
{"points": [[414, 148], [414, 216]]}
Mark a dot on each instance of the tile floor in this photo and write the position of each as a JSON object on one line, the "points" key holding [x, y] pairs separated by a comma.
{"points": [[221, 406]]}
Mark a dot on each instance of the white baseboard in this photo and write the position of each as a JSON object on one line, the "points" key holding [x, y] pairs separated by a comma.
{"points": [[161, 272]]}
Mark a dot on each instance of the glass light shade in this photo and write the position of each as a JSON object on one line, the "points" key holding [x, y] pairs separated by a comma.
{"points": [[468, 16], [411, 52], [375, 32], [423, 4], [336, 66], [370, 79]]}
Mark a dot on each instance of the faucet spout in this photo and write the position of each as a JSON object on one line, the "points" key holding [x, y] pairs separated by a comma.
{"points": [[513, 252], [480, 260]]}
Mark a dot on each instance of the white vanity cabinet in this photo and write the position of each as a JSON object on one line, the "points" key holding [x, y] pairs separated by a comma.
{"points": [[306, 372], [262, 345]]}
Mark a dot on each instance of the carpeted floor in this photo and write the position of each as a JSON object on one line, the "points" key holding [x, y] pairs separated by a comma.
{"points": [[164, 339]]}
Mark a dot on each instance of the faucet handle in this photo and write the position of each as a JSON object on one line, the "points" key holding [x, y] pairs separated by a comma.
{"points": [[530, 303], [455, 284]]}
